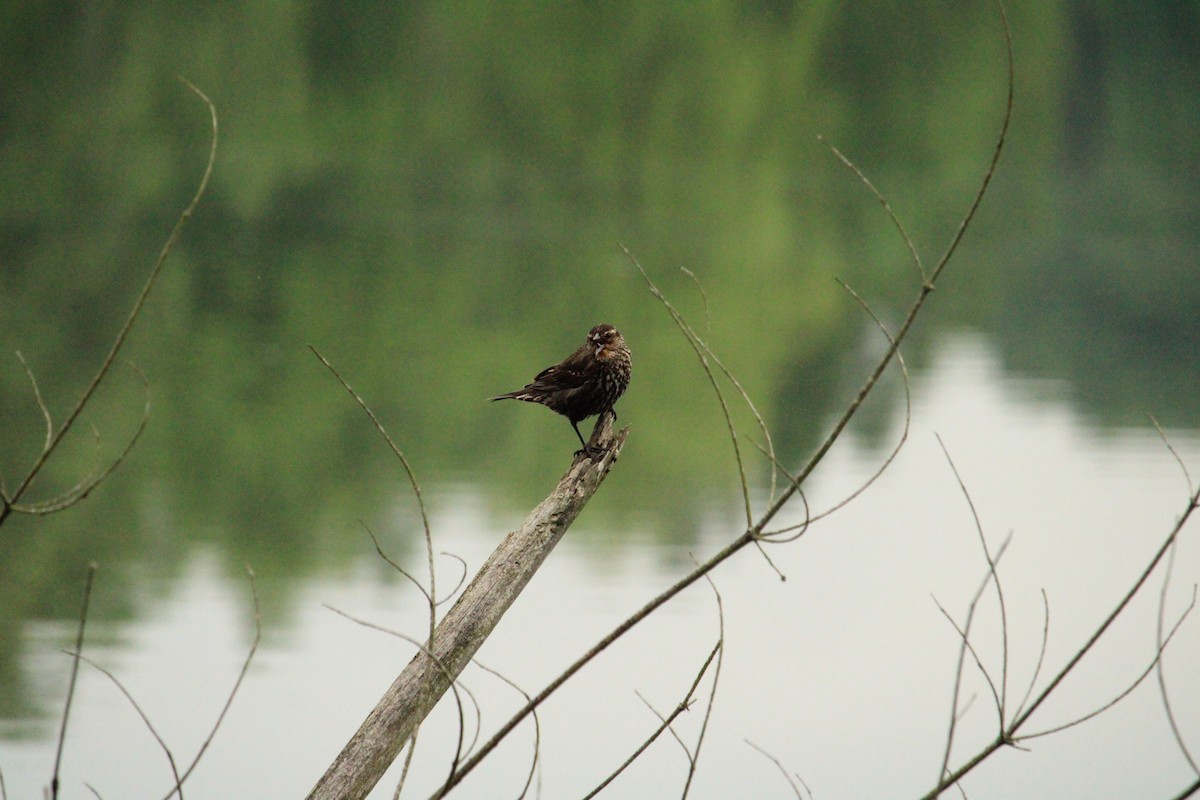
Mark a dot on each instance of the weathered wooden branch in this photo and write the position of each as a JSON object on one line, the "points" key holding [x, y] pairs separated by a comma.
{"points": [[460, 634]]}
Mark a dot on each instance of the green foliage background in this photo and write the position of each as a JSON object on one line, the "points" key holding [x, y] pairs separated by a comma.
{"points": [[434, 196]]}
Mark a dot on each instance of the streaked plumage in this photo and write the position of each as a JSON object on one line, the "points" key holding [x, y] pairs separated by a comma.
{"points": [[586, 383]]}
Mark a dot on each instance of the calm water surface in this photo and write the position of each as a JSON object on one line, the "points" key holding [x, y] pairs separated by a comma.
{"points": [[843, 672]]}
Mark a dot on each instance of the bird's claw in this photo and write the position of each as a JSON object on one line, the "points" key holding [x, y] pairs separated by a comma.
{"points": [[592, 451]]}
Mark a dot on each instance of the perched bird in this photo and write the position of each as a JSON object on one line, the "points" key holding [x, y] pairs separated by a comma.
{"points": [[585, 383]]}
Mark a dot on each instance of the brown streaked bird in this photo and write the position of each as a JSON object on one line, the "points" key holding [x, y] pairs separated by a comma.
{"points": [[586, 383]]}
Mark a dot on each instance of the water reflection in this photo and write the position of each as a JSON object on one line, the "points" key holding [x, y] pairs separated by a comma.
{"points": [[851, 637], [437, 207]]}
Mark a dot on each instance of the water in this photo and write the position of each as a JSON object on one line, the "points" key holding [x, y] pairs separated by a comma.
{"points": [[843, 672]]}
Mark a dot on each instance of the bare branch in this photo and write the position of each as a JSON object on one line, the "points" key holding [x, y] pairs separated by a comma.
{"points": [[1159, 672], [1149, 668], [455, 683], [41, 404], [712, 695], [537, 727], [702, 354], [52, 444], [1037, 670], [783, 771], [93, 479], [145, 719], [908, 242], [62, 731], [461, 578], [208, 740], [777, 536], [1001, 701], [412, 480], [1189, 791], [666, 723], [1187, 476], [965, 634]]}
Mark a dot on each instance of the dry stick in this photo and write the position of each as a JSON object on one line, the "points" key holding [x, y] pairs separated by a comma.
{"points": [[7, 506], [1008, 735], [62, 731], [1189, 791], [683, 705], [208, 740], [89, 482], [1158, 668], [712, 695], [1162, 611], [702, 354], [412, 479], [776, 536], [1041, 660], [465, 627], [1002, 700], [762, 425], [537, 728], [145, 719], [786, 776], [1161, 648], [964, 634]]}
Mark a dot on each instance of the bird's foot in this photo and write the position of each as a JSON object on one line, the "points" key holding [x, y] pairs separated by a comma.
{"points": [[592, 451]]}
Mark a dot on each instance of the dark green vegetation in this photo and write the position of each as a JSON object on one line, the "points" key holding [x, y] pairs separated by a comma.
{"points": [[434, 198]]}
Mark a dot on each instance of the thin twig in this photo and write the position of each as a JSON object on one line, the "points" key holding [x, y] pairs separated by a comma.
{"points": [[782, 769], [965, 634], [1189, 791], [89, 482], [1037, 670], [1008, 735], [666, 723], [145, 719], [700, 350], [134, 313], [1159, 673], [408, 470], [461, 578], [775, 536], [908, 242], [408, 757], [1158, 653], [208, 740], [62, 731], [679, 709], [1002, 700], [537, 727], [712, 695], [1162, 610], [41, 404], [394, 565], [1187, 476]]}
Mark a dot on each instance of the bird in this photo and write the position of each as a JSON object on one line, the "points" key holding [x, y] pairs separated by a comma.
{"points": [[586, 383]]}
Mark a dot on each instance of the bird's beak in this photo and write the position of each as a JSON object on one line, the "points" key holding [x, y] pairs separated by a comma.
{"points": [[599, 344]]}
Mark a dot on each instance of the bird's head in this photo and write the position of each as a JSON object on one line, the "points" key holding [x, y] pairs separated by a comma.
{"points": [[604, 337]]}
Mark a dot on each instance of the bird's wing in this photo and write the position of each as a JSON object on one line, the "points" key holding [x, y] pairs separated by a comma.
{"points": [[570, 374]]}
